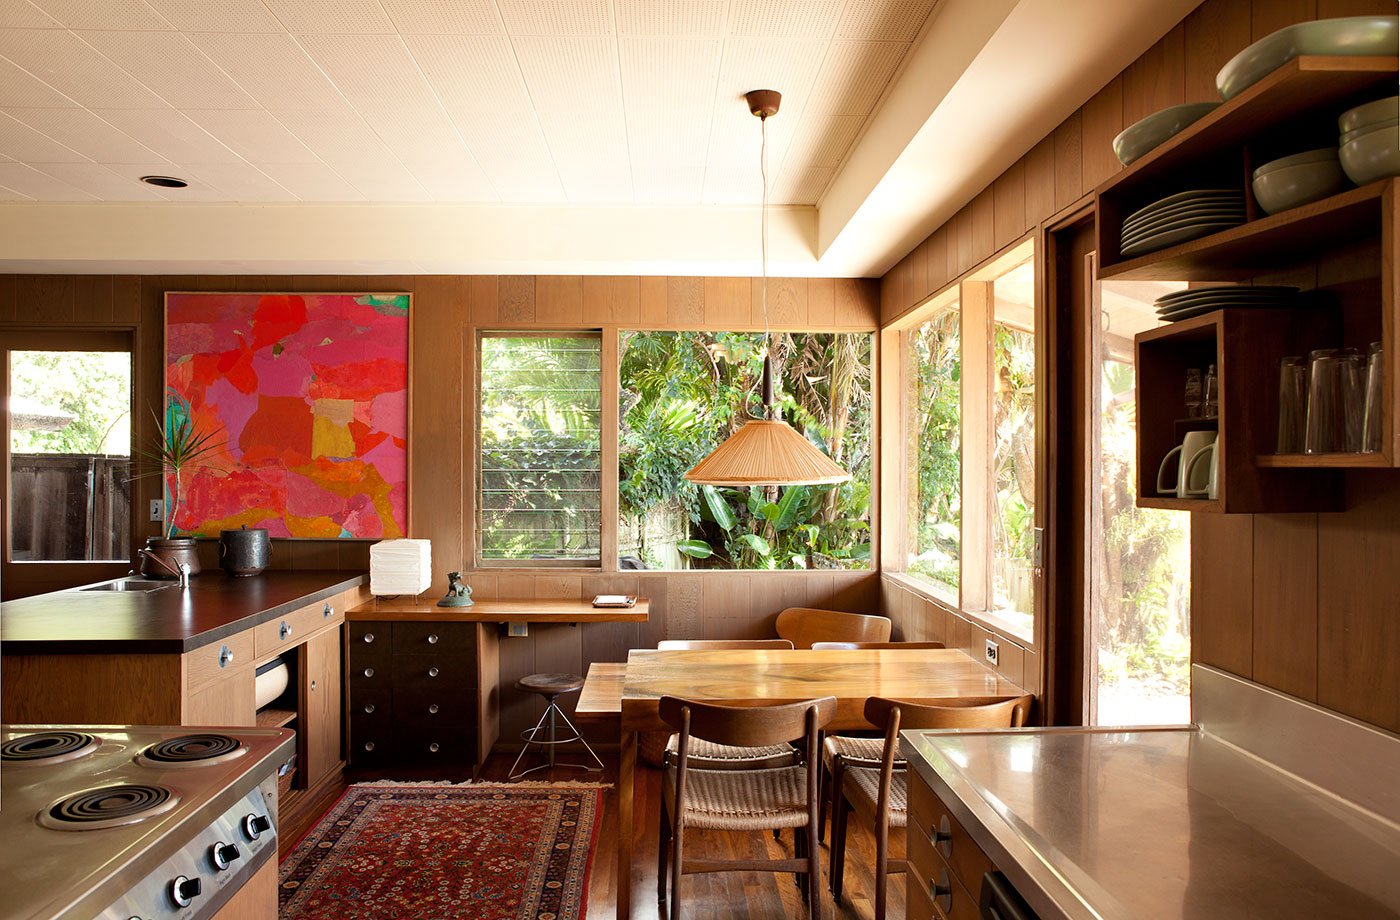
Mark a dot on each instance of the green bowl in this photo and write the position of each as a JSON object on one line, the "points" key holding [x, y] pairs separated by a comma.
{"points": [[1292, 186], [1321, 155], [1372, 113], [1367, 129], [1157, 127], [1374, 155], [1353, 36]]}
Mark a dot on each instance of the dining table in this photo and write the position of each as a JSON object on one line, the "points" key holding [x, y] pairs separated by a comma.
{"points": [[629, 693]]}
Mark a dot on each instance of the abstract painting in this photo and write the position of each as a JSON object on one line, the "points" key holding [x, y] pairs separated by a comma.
{"points": [[308, 394]]}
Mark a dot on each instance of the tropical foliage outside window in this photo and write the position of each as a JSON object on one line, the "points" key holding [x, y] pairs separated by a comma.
{"points": [[934, 356], [1013, 452], [540, 461], [682, 393]]}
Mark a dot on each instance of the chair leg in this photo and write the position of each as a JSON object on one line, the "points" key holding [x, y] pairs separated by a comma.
{"points": [[663, 853], [799, 851], [814, 872], [882, 865], [677, 848], [839, 810], [823, 802]]}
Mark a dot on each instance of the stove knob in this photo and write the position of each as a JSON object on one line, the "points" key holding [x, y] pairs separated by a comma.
{"points": [[184, 890], [254, 825], [222, 854]]}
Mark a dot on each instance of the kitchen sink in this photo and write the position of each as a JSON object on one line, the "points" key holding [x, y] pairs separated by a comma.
{"points": [[130, 584]]}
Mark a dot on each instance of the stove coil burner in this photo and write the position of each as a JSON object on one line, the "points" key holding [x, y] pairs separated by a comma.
{"points": [[48, 747], [192, 751], [109, 806]]}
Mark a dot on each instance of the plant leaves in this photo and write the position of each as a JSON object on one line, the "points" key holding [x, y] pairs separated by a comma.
{"points": [[695, 549], [756, 543], [720, 512], [790, 508]]}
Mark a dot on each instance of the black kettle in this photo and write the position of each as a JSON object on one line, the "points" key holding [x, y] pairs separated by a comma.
{"points": [[244, 552]]}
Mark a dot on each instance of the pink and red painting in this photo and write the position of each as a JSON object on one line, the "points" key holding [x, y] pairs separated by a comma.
{"points": [[308, 395]]}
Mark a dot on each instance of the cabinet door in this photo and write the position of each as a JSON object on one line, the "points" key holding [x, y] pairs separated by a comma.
{"points": [[321, 719]]}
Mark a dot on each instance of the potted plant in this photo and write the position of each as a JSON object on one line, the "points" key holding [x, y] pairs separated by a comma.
{"points": [[177, 446]]}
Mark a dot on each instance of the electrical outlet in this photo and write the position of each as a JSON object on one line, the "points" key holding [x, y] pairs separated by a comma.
{"points": [[516, 630], [157, 510], [991, 652]]}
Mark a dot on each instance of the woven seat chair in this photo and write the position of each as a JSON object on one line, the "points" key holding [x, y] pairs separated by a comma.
{"points": [[705, 755], [805, 625], [840, 750], [879, 794], [740, 800]]}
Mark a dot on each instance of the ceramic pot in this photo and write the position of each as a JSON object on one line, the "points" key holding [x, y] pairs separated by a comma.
{"points": [[171, 552], [244, 552]]}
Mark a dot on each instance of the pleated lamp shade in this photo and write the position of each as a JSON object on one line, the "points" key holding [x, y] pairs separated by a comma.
{"points": [[767, 453]]}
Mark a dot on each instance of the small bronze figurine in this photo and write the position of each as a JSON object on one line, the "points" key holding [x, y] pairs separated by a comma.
{"points": [[458, 594]]}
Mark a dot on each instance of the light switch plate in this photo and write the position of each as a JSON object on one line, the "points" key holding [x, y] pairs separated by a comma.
{"points": [[157, 510], [991, 652]]}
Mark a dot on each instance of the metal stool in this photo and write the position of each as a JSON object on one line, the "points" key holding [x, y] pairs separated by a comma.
{"points": [[551, 687]]}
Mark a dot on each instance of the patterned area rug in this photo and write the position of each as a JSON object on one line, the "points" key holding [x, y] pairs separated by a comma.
{"points": [[390, 851]]}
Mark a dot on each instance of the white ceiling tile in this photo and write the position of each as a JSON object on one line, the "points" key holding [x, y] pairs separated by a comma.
{"points": [[85, 132], [590, 153], [273, 69], [312, 182], [513, 154], [802, 186], [384, 182], [472, 72], [217, 15], [340, 137], [171, 134], [74, 68], [9, 194], [98, 180], [444, 17], [570, 74], [38, 185], [241, 182], [197, 190], [822, 140], [373, 71], [884, 20], [681, 18], [668, 73], [788, 66], [21, 14], [460, 181], [20, 142], [556, 17], [853, 77], [785, 18], [172, 67], [21, 89], [736, 137], [254, 135], [422, 140], [103, 14], [331, 16], [668, 155], [734, 183]]}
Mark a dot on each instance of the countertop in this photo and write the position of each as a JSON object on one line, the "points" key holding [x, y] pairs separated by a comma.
{"points": [[169, 620], [543, 610], [1159, 823]]}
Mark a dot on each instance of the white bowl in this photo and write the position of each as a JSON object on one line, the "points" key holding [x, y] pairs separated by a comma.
{"points": [[1374, 155], [1320, 155], [1372, 113], [1292, 186], [1367, 129]]}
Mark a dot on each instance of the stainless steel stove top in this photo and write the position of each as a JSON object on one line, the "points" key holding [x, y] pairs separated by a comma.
{"points": [[99, 821]]}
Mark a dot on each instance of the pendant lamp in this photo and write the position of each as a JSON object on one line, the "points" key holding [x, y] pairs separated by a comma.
{"points": [[766, 451]]}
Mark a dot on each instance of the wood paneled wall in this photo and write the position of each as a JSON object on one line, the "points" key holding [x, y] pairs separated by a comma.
{"points": [[1301, 603], [447, 310]]}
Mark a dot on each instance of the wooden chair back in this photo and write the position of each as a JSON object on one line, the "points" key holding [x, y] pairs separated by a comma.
{"points": [[829, 646], [745, 726], [880, 710], [805, 625], [676, 645]]}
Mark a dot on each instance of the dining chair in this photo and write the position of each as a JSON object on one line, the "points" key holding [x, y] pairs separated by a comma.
{"points": [[741, 800], [706, 755], [847, 646], [805, 625], [878, 792]]}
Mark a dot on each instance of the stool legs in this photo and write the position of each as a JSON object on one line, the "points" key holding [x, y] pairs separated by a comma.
{"points": [[550, 718]]}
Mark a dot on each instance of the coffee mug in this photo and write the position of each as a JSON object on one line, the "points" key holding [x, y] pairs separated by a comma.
{"points": [[1184, 452], [1202, 480]]}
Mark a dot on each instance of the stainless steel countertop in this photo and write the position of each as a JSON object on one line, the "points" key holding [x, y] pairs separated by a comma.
{"points": [[1160, 823]]}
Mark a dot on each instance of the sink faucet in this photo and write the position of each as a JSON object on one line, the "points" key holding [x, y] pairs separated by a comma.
{"points": [[180, 570]]}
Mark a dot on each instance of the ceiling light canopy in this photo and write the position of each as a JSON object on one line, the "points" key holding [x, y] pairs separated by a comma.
{"points": [[766, 451]]}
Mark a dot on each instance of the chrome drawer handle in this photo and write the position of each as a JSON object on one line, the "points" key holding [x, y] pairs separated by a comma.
{"points": [[433, 639], [313, 685], [326, 612], [369, 637], [942, 891], [284, 631], [433, 747], [432, 708], [369, 707], [369, 672], [369, 745], [433, 672], [225, 656], [942, 839]]}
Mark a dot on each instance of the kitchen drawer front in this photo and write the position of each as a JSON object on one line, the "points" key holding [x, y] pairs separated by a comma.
{"points": [[217, 660], [287, 631], [376, 674], [411, 638], [918, 902], [372, 710], [955, 847], [427, 676], [926, 870], [431, 712], [451, 747], [371, 748], [370, 641]]}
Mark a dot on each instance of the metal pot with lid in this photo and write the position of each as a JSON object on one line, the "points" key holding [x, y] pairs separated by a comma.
{"points": [[245, 551]]}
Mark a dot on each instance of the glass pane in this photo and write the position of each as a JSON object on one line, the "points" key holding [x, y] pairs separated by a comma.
{"points": [[70, 452], [1013, 447], [1140, 571], [934, 359], [683, 393], [540, 461]]}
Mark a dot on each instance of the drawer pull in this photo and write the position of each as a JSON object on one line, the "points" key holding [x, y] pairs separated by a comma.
{"points": [[313, 685], [433, 672], [433, 747], [326, 612], [369, 708], [369, 637], [432, 639], [369, 745], [225, 656], [369, 672], [942, 839], [284, 631], [432, 708], [942, 891]]}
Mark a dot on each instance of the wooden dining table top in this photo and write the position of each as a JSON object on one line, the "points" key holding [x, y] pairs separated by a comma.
{"points": [[633, 690]]}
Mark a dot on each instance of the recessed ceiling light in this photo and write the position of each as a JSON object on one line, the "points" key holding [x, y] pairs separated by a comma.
{"points": [[164, 181]]}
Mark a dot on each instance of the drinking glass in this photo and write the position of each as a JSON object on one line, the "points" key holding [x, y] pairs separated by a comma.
{"points": [[1375, 401], [1292, 404], [1353, 398], [1326, 415]]}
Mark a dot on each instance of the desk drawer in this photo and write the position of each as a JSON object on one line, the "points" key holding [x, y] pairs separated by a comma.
{"points": [[429, 676], [928, 817], [412, 638], [215, 661], [927, 870], [371, 675], [289, 630], [371, 641], [431, 712], [450, 747]]}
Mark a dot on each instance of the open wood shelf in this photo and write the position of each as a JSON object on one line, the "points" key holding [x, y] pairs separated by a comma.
{"points": [[1322, 461], [272, 717], [1170, 503]]}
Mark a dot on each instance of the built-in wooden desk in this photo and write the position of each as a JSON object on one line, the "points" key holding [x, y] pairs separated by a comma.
{"points": [[551, 610]]}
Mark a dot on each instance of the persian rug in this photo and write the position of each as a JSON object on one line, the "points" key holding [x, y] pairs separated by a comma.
{"points": [[395, 851]]}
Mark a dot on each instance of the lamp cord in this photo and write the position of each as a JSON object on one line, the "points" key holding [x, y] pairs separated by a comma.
{"points": [[768, 408]]}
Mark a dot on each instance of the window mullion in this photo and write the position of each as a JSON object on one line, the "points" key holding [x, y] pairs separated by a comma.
{"points": [[977, 476]]}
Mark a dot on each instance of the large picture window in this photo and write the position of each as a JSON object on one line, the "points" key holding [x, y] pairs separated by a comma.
{"points": [[539, 433], [682, 393], [933, 353]]}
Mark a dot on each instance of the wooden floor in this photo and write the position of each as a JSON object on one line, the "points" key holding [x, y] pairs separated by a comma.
{"points": [[728, 896]]}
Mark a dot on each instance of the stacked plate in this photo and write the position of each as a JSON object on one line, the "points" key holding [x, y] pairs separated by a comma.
{"points": [[1184, 216], [1197, 301]]}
